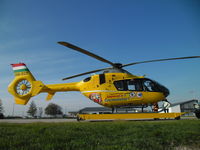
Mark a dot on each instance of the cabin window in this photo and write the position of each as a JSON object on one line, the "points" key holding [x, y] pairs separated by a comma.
{"points": [[87, 79], [142, 84], [128, 85], [120, 85], [131, 86], [137, 85], [134, 85]]}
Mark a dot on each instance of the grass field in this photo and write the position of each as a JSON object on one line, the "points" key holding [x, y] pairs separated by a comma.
{"points": [[119, 135]]}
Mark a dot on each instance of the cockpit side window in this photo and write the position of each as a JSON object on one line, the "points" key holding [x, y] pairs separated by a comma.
{"points": [[150, 86]]}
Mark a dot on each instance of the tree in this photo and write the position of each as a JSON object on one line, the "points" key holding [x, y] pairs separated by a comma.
{"points": [[1, 107], [1, 110], [53, 110], [32, 109], [40, 112]]}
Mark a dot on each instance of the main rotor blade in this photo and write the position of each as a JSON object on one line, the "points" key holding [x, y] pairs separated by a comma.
{"points": [[81, 74], [76, 48], [148, 61]]}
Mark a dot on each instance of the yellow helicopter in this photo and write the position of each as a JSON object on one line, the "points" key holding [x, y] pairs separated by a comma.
{"points": [[113, 88]]}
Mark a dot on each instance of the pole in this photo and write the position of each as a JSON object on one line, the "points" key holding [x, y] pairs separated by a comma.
{"points": [[13, 109]]}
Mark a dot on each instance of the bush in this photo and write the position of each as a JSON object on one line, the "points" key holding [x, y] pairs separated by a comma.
{"points": [[1, 116]]}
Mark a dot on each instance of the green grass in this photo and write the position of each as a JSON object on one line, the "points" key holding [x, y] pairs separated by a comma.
{"points": [[119, 135]]}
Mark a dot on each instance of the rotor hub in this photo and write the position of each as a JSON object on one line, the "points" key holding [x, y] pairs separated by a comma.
{"points": [[23, 87], [118, 65]]}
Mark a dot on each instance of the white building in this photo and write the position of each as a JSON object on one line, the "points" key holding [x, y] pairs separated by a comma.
{"points": [[185, 106]]}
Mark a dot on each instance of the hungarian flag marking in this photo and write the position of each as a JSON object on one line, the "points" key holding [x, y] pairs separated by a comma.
{"points": [[21, 67]]}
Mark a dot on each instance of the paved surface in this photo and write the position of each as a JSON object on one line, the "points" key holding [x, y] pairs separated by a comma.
{"points": [[35, 120], [67, 120]]}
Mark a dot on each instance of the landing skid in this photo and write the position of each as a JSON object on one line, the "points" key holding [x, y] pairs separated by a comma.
{"points": [[128, 116]]}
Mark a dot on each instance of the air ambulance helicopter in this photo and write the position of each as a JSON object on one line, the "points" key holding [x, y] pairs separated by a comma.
{"points": [[113, 88]]}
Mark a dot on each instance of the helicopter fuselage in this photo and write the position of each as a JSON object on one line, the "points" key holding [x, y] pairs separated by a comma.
{"points": [[116, 89], [121, 89]]}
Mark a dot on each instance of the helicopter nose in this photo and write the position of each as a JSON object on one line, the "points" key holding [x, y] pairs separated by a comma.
{"points": [[161, 88], [165, 91]]}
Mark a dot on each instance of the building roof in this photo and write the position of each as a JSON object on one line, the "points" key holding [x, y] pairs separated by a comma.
{"points": [[184, 102], [103, 109], [95, 109]]}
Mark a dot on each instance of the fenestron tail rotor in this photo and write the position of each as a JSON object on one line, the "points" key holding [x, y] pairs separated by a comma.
{"points": [[23, 87], [118, 66]]}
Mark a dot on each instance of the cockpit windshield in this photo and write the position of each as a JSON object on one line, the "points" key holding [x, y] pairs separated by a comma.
{"points": [[143, 84]]}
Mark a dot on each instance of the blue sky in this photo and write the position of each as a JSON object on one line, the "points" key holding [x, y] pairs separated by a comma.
{"points": [[121, 31]]}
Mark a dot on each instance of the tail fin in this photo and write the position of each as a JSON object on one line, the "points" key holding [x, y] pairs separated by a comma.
{"points": [[24, 85]]}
